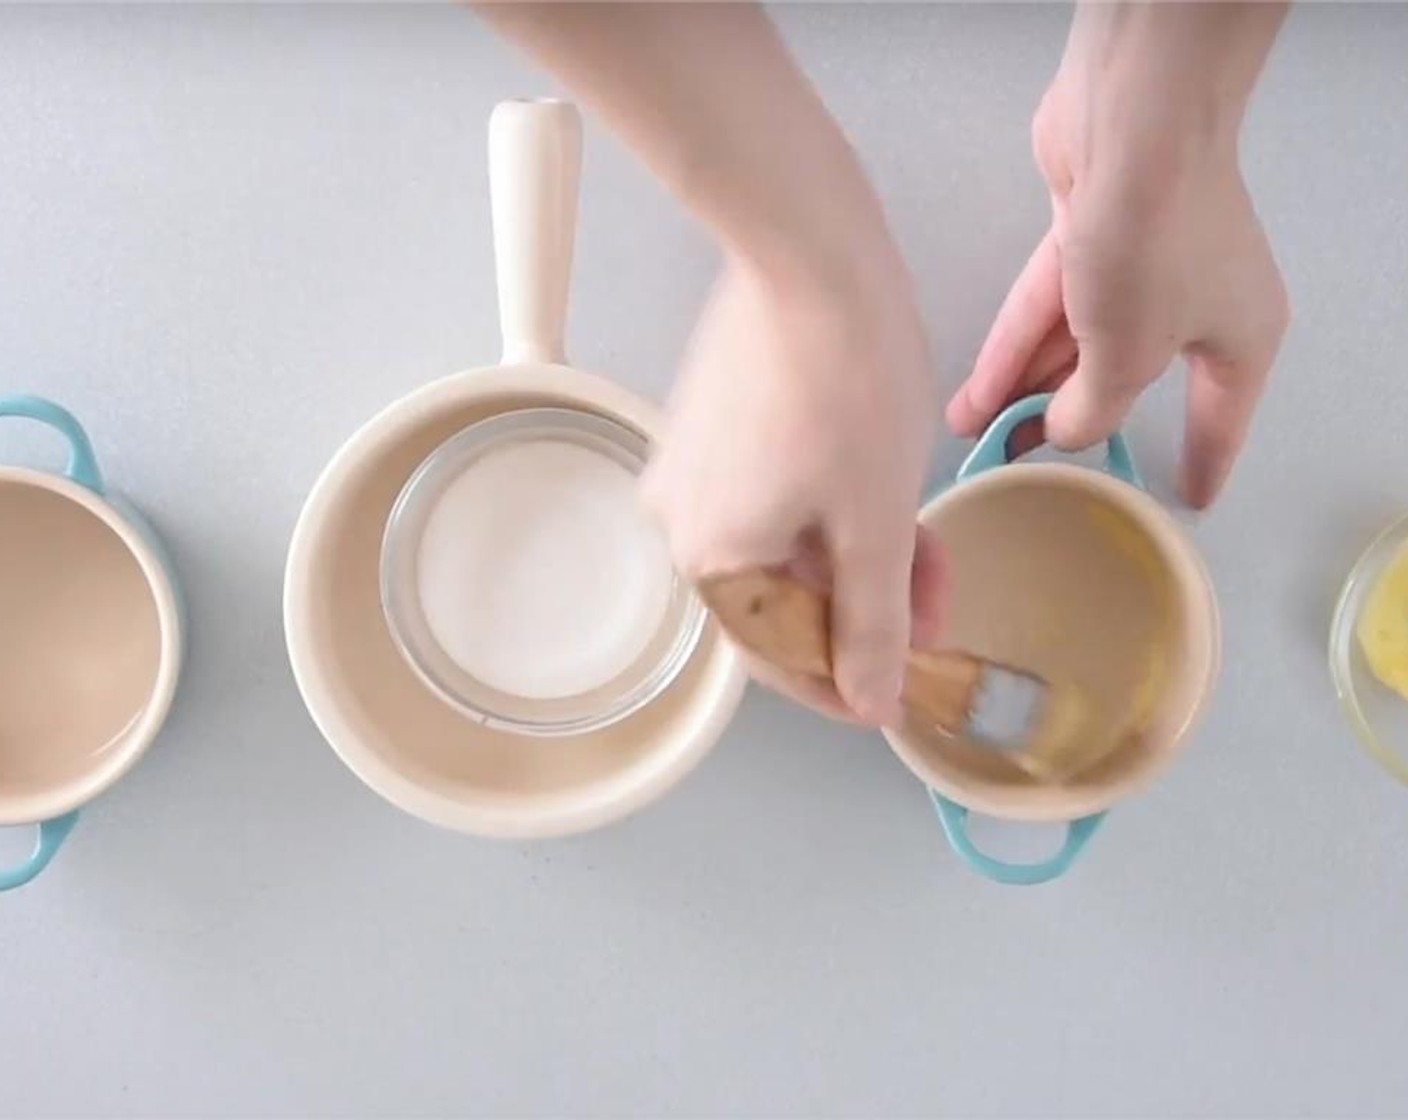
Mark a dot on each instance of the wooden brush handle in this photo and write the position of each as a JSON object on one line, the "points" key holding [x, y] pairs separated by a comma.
{"points": [[941, 686], [788, 624], [775, 618]]}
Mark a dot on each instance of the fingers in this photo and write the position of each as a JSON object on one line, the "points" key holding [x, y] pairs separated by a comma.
{"points": [[810, 692], [1223, 391], [1222, 396], [1056, 355], [1109, 376], [870, 620], [1226, 378], [926, 590], [1030, 314]]}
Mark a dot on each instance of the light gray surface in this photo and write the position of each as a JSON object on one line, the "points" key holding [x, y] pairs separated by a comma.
{"points": [[229, 235]]}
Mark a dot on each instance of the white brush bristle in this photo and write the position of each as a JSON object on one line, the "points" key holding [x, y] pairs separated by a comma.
{"points": [[1007, 709]]}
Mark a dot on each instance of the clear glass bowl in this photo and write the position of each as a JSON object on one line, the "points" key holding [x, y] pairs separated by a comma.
{"points": [[652, 671], [1378, 715]]}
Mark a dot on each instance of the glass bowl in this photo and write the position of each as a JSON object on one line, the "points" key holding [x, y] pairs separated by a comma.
{"points": [[1378, 715], [659, 660]]}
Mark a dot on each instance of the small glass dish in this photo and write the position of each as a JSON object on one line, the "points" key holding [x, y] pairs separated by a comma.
{"points": [[1378, 715], [652, 671]]}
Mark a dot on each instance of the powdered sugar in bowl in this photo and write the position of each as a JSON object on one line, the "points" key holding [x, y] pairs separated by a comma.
{"points": [[524, 584]]}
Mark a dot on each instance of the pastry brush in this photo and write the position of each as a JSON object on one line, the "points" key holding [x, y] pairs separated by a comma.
{"points": [[1034, 724]]}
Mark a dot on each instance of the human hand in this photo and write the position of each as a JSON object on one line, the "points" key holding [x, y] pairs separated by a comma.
{"points": [[805, 411], [1154, 248], [800, 431]]}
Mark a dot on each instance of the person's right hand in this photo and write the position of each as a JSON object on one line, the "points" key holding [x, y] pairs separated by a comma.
{"points": [[805, 410], [799, 436]]}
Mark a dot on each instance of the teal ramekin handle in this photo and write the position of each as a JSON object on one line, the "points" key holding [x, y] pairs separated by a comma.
{"points": [[83, 469], [52, 834], [82, 463], [954, 818], [991, 448]]}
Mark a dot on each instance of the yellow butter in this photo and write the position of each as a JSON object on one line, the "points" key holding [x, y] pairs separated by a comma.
{"points": [[1382, 626]]}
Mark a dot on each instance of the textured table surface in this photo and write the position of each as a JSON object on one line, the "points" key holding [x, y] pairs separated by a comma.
{"points": [[228, 235]]}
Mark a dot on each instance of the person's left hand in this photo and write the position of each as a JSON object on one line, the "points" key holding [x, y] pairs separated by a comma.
{"points": [[1154, 250]]}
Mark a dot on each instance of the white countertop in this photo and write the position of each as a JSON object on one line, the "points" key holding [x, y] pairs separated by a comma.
{"points": [[229, 235]]}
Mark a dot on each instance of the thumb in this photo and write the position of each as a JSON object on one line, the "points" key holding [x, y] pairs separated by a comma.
{"points": [[1094, 401], [870, 623]]}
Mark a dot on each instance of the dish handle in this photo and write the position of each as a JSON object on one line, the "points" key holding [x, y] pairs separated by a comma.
{"points": [[954, 818], [991, 448], [52, 834], [535, 162], [82, 463]]}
